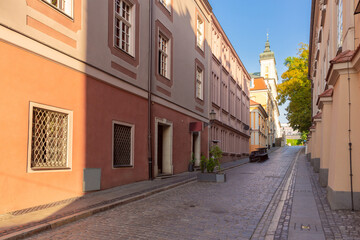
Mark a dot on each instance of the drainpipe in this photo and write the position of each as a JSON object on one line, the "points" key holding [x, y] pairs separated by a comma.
{"points": [[150, 72], [350, 144]]}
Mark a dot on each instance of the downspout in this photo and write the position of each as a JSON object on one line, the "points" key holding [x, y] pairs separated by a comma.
{"points": [[350, 144], [150, 72]]}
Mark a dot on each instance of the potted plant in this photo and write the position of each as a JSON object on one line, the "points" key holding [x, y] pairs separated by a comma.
{"points": [[212, 166], [191, 163]]}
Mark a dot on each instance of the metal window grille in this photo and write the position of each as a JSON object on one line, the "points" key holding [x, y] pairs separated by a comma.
{"points": [[49, 139], [122, 25], [122, 146], [163, 56]]}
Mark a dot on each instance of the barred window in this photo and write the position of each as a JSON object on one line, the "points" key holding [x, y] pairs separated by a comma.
{"points": [[65, 6], [163, 56], [122, 145], [50, 135], [123, 16]]}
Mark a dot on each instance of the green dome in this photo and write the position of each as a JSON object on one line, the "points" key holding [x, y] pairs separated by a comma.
{"points": [[267, 54]]}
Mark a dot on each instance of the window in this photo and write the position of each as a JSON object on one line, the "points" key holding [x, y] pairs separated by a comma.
{"points": [[50, 138], [339, 23], [199, 83], [123, 16], [200, 33], [166, 3], [252, 83], [65, 6], [123, 135], [163, 56]]}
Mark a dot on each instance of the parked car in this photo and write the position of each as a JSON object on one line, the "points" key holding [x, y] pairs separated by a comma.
{"points": [[260, 154]]}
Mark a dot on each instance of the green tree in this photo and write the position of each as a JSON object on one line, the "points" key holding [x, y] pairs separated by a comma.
{"points": [[296, 89]]}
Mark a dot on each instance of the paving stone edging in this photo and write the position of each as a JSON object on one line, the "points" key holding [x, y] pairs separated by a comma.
{"points": [[261, 230]]}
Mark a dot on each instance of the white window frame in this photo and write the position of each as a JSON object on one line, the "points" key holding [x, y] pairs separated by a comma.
{"points": [[199, 83], [69, 138], [339, 23], [132, 126], [166, 4], [64, 6], [128, 22], [163, 55], [200, 30]]}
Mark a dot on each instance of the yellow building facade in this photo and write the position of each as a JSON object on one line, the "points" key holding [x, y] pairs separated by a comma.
{"points": [[258, 126]]}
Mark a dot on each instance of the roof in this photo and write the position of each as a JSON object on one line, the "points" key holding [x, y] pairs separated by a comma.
{"points": [[254, 103], [327, 93], [345, 56], [255, 74], [259, 84], [318, 116], [267, 54]]}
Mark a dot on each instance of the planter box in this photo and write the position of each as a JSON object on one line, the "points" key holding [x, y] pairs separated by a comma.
{"points": [[211, 177]]}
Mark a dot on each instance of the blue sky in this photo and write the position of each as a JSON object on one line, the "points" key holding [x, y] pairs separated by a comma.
{"points": [[246, 23]]}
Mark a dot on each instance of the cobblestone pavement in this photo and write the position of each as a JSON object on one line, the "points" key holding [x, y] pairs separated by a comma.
{"points": [[336, 224], [230, 210]]}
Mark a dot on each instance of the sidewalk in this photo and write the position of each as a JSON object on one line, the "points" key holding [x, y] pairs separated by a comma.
{"points": [[27, 222]]}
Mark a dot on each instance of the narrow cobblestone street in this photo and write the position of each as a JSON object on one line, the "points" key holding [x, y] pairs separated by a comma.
{"points": [[196, 210]]}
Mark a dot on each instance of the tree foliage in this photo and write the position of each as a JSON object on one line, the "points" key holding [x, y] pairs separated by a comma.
{"points": [[296, 89]]}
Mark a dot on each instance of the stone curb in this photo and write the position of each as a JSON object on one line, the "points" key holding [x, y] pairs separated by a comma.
{"points": [[89, 212]]}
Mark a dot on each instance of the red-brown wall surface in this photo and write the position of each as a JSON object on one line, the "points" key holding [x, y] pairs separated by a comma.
{"points": [[25, 78], [181, 136]]}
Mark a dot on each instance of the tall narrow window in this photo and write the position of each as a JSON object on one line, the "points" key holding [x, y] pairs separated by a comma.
{"points": [[200, 33], [339, 23], [166, 3], [199, 83], [123, 25], [163, 56], [65, 6]]}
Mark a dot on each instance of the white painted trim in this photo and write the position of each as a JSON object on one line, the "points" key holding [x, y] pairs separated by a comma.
{"points": [[69, 137], [163, 121], [132, 163]]}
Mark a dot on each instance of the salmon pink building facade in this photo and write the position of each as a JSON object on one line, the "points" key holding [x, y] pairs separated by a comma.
{"points": [[229, 97], [99, 94]]}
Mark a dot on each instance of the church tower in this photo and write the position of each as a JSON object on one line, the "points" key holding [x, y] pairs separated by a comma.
{"points": [[269, 73], [268, 63]]}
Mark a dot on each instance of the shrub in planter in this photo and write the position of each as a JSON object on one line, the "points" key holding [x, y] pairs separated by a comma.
{"points": [[203, 162]]}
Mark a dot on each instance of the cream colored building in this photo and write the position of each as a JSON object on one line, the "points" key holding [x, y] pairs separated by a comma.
{"points": [[258, 126], [260, 92], [263, 89], [334, 69]]}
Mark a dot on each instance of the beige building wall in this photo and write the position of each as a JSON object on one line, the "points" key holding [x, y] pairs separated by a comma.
{"points": [[334, 63]]}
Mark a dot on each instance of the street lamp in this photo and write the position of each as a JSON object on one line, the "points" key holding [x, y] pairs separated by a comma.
{"points": [[212, 114]]}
